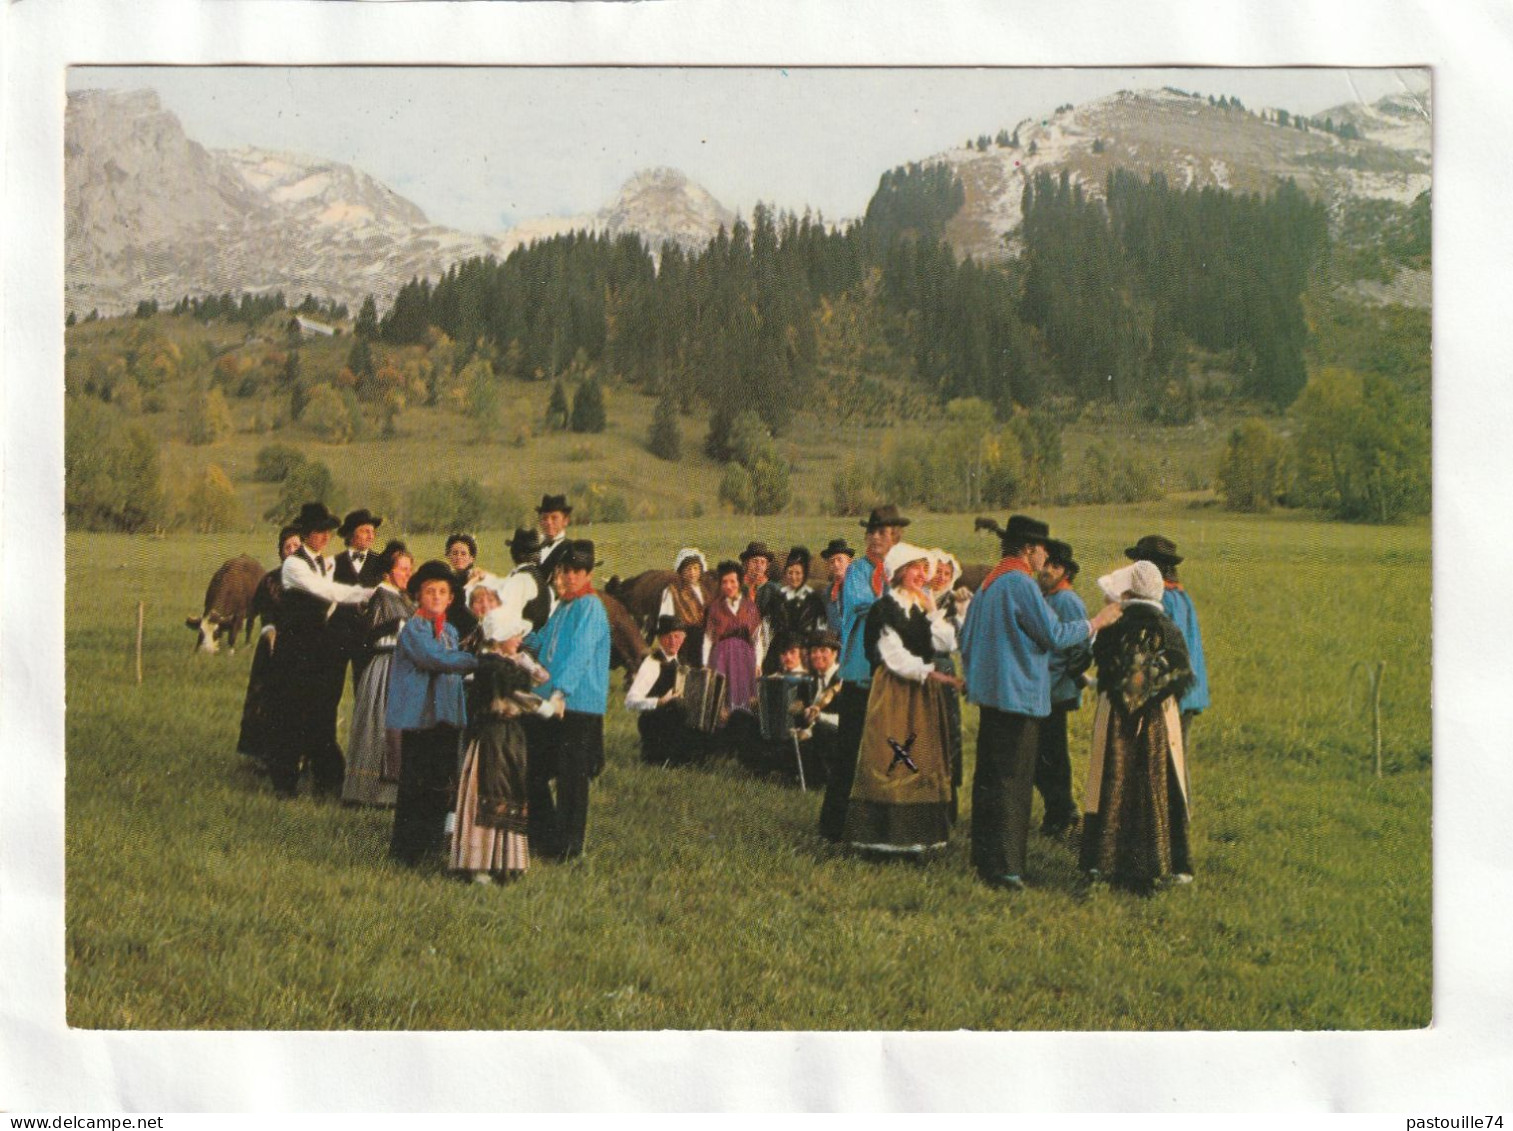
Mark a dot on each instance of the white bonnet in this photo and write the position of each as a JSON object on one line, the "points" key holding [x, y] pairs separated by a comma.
{"points": [[900, 556], [688, 554], [1141, 578], [500, 625]]}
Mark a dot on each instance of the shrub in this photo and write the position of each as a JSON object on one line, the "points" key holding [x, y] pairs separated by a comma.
{"points": [[112, 477], [209, 417], [770, 490], [1250, 470], [326, 414], [850, 489], [594, 502], [210, 505], [1111, 477], [275, 462], [307, 482], [445, 505], [588, 407], [736, 488]]}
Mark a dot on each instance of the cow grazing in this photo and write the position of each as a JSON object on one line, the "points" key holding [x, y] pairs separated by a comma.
{"points": [[228, 603], [642, 594], [626, 647]]}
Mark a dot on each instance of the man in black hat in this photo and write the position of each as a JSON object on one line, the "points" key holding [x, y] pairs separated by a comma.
{"points": [[1162, 552], [837, 556], [865, 582], [553, 516], [568, 743], [358, 564], [310, 658], [521, 593], [655, 695], [1006, 645], [1053, 764]]}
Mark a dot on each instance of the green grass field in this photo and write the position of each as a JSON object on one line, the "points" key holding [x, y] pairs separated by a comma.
{"points": [[194, 900]]}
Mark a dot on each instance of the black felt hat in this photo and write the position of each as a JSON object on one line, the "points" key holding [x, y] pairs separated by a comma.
{"points": [[884, 516], [578, 555], [1154, 548], [755, 550], [315, 516], [1057, 552], [667, 623], [799, 555], [433, 570], [360, 517], [525, 542], [554, 503], [837, 546], [825, 638]]}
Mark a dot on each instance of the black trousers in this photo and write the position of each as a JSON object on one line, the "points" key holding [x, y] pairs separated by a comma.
{"points": [[571, 751], [1053, 771], [667, 739], [427, 782], [309, 672], [1002, 791], [851, 706]]}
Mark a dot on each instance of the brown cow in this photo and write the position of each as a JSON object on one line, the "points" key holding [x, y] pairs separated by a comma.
{"points": [[642, 594], [228, 603]]}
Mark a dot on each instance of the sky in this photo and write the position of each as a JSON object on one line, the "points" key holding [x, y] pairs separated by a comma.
{"points": [[483, 148]]}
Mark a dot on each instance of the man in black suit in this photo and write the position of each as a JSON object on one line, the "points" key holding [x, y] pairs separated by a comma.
{"points": [[553, 517], [358, 564]]}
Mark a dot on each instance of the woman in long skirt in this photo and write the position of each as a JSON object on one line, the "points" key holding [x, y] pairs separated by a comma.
{"points": [[901, 795], [731, 628], [260, 705], [373, 760], [1135, 831], [490, 839], [946, 570]]}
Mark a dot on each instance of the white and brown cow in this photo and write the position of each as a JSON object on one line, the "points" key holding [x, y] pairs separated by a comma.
{"points": [[228, 603]]}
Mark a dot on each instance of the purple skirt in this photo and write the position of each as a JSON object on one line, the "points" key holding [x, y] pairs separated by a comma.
{"points": [[735, 659]]}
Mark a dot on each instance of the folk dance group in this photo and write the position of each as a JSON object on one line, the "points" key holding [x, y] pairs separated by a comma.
{"points": [[479, 700]]}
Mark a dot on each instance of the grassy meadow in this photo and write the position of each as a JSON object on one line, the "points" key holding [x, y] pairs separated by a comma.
{"points": [[706, 900]]}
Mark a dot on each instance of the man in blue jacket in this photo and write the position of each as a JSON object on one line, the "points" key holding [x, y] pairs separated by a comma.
{"points": [[863, 585], [568, 742], [1006, 646], [1053, 763], [1162, 552]]}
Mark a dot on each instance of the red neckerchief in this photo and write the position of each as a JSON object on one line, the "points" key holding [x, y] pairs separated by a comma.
{"points": [[584, 592], [1005, 565], [835, 588], [438, 622], [1059, 586], [1172, 585], [879, 582]]}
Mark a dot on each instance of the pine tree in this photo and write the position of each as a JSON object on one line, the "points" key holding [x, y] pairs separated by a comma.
{"points": [[556, 409], [367, 321], [666, 439], [588, 407]]}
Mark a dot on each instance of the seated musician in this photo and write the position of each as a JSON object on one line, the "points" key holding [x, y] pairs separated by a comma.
{"points": [[820, 721], [656, 695], [772, 749]]}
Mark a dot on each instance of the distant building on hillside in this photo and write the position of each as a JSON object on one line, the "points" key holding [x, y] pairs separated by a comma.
{"points": [[310, 328]]}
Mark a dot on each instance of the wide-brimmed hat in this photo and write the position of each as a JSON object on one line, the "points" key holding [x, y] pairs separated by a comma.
{"points": [[287, 533], [1058, 553], [689, 554], [1154, 548], [314, 516], [525, 542], [433, 570], [799, 555], [360, 517], [554, 503], [825, 638], [500, 624], [837, 546], [578, 554], [900, 556], [755, 550], [1143, 578], [884, 516], [786, 641], [667, 623]]}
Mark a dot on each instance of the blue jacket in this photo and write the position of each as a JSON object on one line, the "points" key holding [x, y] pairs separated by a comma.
{"points": [[1006, 646], [425, 681], [1064, 689], [1179, 606], [574, 646], [856, 598]]}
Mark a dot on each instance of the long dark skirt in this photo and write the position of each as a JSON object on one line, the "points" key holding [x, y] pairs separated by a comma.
{"points": [[259, 707], [1136, 829], [901, 792]]}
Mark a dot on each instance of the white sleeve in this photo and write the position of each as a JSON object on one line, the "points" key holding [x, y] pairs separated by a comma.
{"points": [[637, 697], [943, 634], [708, 646], [665, 609], [899, 660], [298, 573]]}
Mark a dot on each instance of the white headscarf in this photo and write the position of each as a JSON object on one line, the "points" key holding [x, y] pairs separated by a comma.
{"points": [[688, 554], [900, 556], [499, 625], [1141, 578]]}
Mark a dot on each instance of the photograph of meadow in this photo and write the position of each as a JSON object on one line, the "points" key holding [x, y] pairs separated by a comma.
{"points": [[1187, 302]]}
